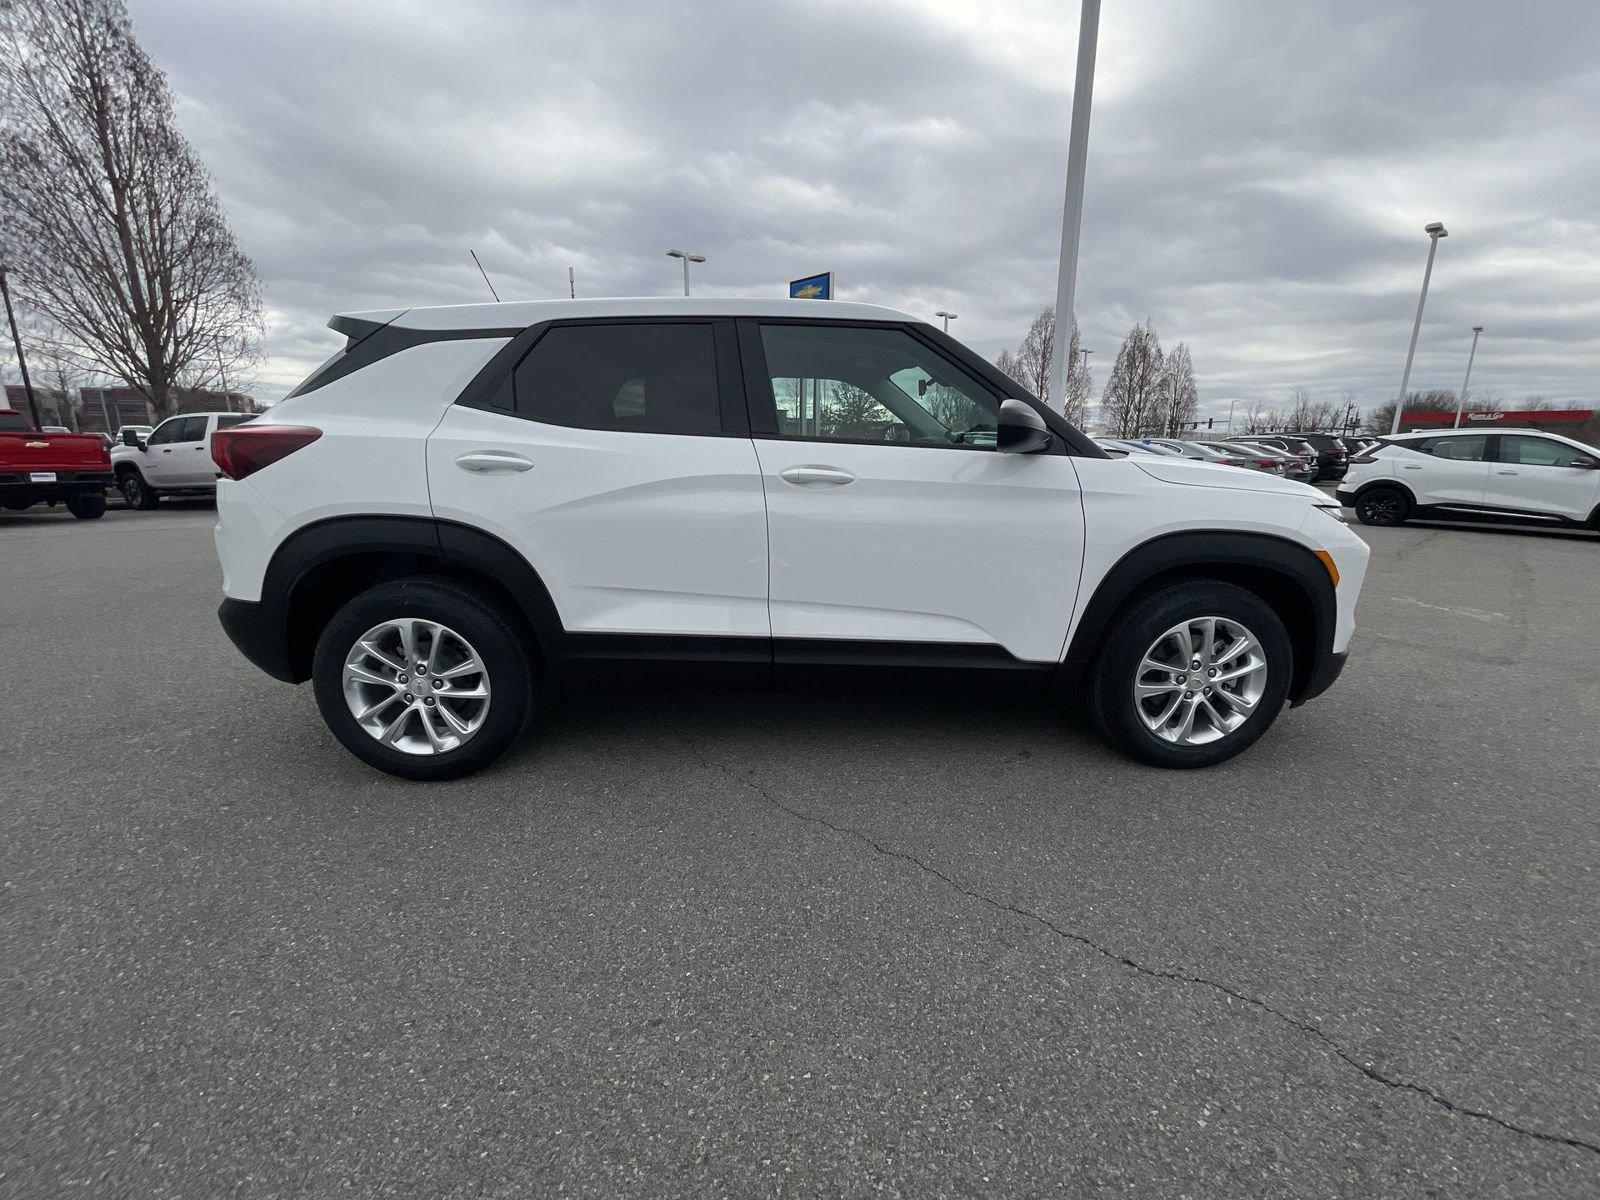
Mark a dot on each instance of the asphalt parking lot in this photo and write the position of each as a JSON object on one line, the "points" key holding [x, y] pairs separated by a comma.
{"points": [[696, 945]]}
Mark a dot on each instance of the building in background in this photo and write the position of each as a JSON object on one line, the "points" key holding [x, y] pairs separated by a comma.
{"points": [[1581, 424], [53, 406]]}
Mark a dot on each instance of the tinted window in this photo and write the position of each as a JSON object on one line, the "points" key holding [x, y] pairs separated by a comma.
{"points": [[836, 383], [13, 421], [1462, 449], [230, 422], [639, 378], [169, 431], [1537, 452]]}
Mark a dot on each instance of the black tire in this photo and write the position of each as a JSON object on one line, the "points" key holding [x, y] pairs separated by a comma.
{"points": [[90, 506], [136, 491], [1383, 505], [1112, 703], [469, 613]]}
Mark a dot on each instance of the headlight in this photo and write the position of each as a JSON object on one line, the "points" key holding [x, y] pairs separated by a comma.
{"points": [[1336, 511]]}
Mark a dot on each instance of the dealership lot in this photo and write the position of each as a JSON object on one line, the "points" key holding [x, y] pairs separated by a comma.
{"points": [[698, 945]]}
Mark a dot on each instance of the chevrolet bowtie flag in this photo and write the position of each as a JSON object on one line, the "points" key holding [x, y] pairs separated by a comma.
{"points": [[812, 287]]}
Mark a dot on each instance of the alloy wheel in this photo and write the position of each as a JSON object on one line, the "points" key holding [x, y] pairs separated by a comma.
{"points": [[416, 686], [1200, 681]]}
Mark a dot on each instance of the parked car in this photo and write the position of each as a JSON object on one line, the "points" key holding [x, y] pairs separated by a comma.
{"points": [[1121, 448], [1293, 466], [38, 467], [1150, 447], [1518, 475], [1298, 448], [467, 499], [173, 459], [1256, 460], [1204, 453], [1332, 455]]}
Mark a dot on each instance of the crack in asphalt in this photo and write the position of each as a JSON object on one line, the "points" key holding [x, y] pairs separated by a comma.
{"points": [[1123, 960]]}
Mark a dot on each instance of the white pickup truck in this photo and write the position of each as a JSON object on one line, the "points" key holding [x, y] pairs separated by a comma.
{"points": [[174, 460]]}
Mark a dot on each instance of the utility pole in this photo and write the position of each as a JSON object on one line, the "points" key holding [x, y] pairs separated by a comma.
{"points": [[572, 284], [1461, 400], [948, 317], [1072, 206], [687, 259], [22, 362], [1435, 230]]}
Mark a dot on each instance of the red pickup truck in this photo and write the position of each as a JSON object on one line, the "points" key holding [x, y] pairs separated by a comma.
{"points": [[42, 468]]}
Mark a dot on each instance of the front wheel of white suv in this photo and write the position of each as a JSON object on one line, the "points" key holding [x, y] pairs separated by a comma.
{"points": [[1192, 674], [423, 678]]}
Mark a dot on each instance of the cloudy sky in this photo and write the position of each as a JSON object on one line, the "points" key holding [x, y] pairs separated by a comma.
{"points": [[1259, 173]]}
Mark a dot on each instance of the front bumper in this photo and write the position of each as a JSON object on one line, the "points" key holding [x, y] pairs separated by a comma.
{"points": [[260, 634], [1323, 674]]}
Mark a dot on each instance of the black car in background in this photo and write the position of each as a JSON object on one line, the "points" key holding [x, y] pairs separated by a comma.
{"points": [[1333, 459]]}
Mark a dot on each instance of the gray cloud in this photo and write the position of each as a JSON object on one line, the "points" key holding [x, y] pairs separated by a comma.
{"points": [[1258, 176]]}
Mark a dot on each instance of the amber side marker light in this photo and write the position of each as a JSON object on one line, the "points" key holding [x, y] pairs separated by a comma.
{"points": [[1327, 560]]}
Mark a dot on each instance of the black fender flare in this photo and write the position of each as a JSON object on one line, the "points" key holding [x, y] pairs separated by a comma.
{"points": [[1295, 572], [1389, 481], [432, 545]]}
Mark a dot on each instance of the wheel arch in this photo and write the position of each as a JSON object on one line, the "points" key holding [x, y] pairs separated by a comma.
{"points": [[1284, 574], [320, 567], [1388, 481]]}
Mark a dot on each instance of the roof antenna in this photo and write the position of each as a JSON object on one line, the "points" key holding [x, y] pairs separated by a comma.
{"points": [[485, 275]]}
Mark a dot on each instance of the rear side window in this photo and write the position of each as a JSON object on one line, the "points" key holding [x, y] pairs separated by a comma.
{"points": [[638, 378], [230, 422], [1462, 449]]}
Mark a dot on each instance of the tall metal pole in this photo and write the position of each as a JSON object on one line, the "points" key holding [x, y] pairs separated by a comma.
{"points": [[1435, 231], [572, 284], [22, 362], [1072, 207], [1461, 400], [685, 274]]}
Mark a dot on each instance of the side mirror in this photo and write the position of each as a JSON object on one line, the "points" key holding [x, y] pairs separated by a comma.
{"points": [[1021, 430], [130, 438], [1587, 462]]}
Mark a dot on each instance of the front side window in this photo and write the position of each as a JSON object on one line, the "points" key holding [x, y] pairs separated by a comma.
{"points": [[839, 384], [1461, 449], [638, 378], [1537, 452], [169, 431]]}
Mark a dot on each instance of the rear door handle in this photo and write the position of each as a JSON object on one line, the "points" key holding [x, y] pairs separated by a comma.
{"points": [[492, 462], [805, 476], [1508, 472], [1413, 466]]}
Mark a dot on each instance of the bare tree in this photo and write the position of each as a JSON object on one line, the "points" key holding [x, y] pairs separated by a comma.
{"points": [[1182, 398], [108, 217], [1008, 365], [1080, 383], [1036, 352], [60, 366], [1134, 398], [1379, 419]]}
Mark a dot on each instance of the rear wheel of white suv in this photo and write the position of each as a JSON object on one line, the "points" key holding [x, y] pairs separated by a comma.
{"points": [[1383, 505], [423, 678], [1192, 674]]}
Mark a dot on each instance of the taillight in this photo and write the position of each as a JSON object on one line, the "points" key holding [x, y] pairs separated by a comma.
{"points": [[243, 450], [1366, 456], [1266, 462]]}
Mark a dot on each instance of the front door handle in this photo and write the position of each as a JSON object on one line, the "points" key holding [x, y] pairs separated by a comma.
{"points": [[1508, 472], [805, 476], [491, 462], [1413, 466]]}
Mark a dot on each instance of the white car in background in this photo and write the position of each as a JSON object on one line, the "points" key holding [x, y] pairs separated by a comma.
{"points": [[174, 458], [1519, 475]]}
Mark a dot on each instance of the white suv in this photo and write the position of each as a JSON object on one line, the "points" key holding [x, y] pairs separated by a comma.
{"points": [[466, 501], [174, 458], [1519, 475]]}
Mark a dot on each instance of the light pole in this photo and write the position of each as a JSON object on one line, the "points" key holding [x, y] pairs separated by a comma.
{"points": [[1072, 206], [948, 317], [1435, 230], [1461, 400], [687, 259], [22, 363]]}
